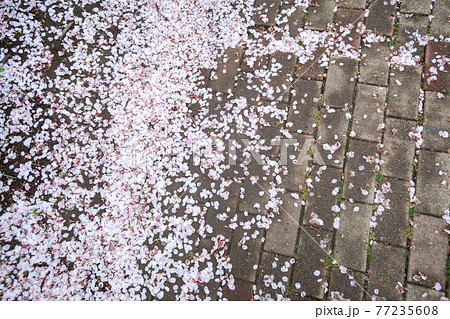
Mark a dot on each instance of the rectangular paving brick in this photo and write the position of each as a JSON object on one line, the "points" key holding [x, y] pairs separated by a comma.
{"points": [[436, 126], [437, 71], [302, 111], [313, 68], [428, 249], [375, 63], [282, 234], [399, 149], [243, 291], [223, 78], [284, 64], [340, 82], [439, 25], [322, 196], [408, 25], [352, 237], [273, 270], [419, 293], [311, 265], [381, 17], [415, 6], [267, 11], [332, 136], [392, 224], [369, 112], [348, 21], [360, 4], [256, 194], [360, 171], [433, 183], [294, 20], [320, 14], [404, 91], [349, 285], [387, 268], [293, 172], [246, 247]]}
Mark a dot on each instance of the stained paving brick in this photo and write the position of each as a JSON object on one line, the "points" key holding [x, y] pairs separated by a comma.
{"points": [[320, 15], [392, 224], [399, 148], [436, 126], [408, 25], [314, 68], [282, 234], [429, 240], [340, 82], [268, 12], [284, 64], [404, 92], [381, 17], [369, 112], [352, 237], [415, 6], [433, 180], [332, 136], [419, 293], [322, 196], [360, 171], [375, 63], [256, 194], [223, 78], [273, 276], [349, 285], [387, 268], [439, 24], [311, 265], [435, 63], [243, 291], [294, 171], [294, 20], [360, 4], [245, 250], [303, 108], [350, 20]]}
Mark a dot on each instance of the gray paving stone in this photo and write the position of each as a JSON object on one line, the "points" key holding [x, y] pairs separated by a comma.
{"points": [[282, 234], [408, 25], [256, 195], [392, 224], [428, 249], [399, 149], [249, 87], [360, 171], [375, 63], [381, 17], [340, 82], [252, 64], [436, 124], [360, 4], [348, 20], [350, 285], [320, 15], [313, 69], [295, 21], [433, 182], [303, 108], [322, 196], [243, 291], [387, 268], [369, 112], [293, 173], [312, 257], [415, 6], [227, 63], [245, 251], [419, 293], [219, 227], [270, 275], [404, 91], [439, 24], [268, 12], [352, 237], [434, 61], [284, 63], [332, 136]]}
